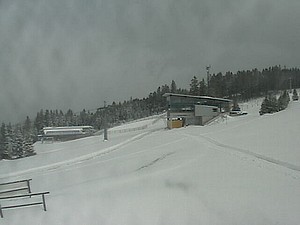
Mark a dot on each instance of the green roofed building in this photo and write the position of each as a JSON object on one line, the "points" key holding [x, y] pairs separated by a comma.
{"points": [[194, 110]]}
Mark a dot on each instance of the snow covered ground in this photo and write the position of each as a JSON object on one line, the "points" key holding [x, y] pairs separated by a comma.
{"points": [[237, 170]]}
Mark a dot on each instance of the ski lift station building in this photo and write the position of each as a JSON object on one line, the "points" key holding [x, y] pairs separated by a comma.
{"points": [[66, 133], [194, 110]]}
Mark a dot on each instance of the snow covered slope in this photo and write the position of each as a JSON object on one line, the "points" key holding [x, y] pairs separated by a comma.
{"points": [[238, 170]]}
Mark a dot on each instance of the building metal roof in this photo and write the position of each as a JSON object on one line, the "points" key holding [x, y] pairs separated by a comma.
{"points": [[198, 97]]}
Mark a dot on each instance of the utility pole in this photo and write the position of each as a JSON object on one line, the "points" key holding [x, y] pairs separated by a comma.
{"points": [[104, 111]]}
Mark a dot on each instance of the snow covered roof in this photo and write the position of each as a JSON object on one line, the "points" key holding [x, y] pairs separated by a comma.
{"points": [[198, 97], [67, 128]]}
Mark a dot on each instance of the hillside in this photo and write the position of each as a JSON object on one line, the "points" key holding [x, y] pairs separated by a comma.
{"points": [[237, 170]]}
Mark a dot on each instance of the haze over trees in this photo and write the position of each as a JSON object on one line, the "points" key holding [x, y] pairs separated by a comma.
{"points": [[16, 140]]}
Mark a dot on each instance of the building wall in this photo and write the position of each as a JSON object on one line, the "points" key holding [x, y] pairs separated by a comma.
{"points": [[194, 110], [194, 120], [188, 118], [206, 111]]}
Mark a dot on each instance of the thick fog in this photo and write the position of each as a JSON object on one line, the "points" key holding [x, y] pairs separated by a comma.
{"points": [[63, 54]]}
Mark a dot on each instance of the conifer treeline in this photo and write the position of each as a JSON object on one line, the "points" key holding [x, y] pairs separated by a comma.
{"points": [[16, 141], [271, 104], [247, 84]]}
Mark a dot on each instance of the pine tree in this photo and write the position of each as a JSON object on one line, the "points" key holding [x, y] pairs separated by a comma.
{"points": [[264, 106], [27, 127], [19, 144], [173, 87], [69, 118], [8, 145], [28, 147], [273, 103], [269, 105], [287, 96], [202, 88], [194, 86], [83, 117], [165, 89], [2, 140], [47, 122], [283, 100], [61, 119], [39, 121]]}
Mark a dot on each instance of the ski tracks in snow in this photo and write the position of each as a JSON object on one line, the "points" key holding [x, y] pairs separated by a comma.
{"points": [[81, 160], [155, 161], [249, 153], [127, 156], [74, 161]]}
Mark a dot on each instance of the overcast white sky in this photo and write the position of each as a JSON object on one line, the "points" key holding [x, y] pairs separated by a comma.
{"points": [[62, 54]]}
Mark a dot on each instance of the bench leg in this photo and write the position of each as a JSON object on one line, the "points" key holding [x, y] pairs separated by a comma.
{"points": [[1, 213], [44, 202], [28, 186]]}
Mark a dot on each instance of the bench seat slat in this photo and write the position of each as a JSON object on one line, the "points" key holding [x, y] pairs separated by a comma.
{"points": [[13, 190], [22, 205]]}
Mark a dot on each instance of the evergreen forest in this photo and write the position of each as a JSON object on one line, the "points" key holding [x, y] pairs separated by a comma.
{"points": [[16, 141]]}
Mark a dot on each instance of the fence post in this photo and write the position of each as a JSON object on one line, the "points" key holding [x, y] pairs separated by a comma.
{"points": [[1, 213]]}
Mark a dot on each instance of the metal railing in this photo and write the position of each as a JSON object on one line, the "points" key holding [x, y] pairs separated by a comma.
{"points": [[127, 129], [32, 203], [12, 197], [15, 186]]}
